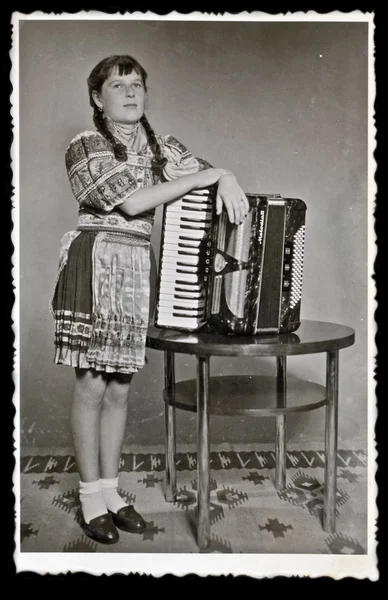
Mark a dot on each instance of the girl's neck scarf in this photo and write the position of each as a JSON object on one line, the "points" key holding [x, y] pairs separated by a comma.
{"points": [[132, 136]]}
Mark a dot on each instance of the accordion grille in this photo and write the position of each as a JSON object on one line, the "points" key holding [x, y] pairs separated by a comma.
{"points": [[239, 242], [297, 267], [216, 299], [235, 285], [238, 246]]}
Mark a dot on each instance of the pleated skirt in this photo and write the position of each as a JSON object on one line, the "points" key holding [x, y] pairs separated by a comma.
{"points": [[102, 302]]}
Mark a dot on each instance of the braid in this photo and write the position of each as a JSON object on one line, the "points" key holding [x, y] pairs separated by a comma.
{"points": [[159, 160], [122, 65], [119, 149]]}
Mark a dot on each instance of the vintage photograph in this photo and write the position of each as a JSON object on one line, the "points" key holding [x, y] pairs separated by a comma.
{"points": [[194, 315]]}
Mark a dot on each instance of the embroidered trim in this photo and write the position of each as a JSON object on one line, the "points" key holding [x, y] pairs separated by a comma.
{"points": [[132, 238], [139, 226]]}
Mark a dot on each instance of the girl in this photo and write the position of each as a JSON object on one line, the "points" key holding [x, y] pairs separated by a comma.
{"points": [[119, 173]]}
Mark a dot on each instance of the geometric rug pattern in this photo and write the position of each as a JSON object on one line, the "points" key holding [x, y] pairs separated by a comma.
{"points": [[247, 513]]}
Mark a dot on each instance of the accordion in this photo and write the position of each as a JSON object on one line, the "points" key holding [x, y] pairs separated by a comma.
{"points": [[241, 279]]}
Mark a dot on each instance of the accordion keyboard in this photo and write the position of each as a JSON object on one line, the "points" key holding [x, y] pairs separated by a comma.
{"points": [[181, 300]]}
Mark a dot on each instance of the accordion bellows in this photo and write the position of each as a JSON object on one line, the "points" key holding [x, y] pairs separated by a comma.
{"points": [[241, 279]]}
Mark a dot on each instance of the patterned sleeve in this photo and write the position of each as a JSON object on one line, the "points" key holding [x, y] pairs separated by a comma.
{"points": [[203, 164], [180, 160], [98, 180]]}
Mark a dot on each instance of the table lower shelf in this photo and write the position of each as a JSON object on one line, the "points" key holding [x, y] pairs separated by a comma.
{"points": [[253, 395]]}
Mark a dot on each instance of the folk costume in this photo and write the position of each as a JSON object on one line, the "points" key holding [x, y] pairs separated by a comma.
{"points": [[102, 297]]}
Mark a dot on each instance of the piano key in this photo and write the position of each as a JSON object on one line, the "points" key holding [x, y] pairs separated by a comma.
{"points": [[186, 279], [175, 234], [189, 279], [185, 208], [187, 276], [201, 192], [182, 245], [181, 312], [188, 224], [183, 271], [170, 274], [188, 215], [182, 287], [186, 211], [184, 262], [188, 255], [171, 263], [185, 232], [190, 298], [196, 209], [170, 301], [182, 294], [198, 215], [191, 199], [180, 250], [185, 246], [172, 256], [190, 273], [180, 322], [183, 266], [179, 281], [194, 287], [170, 308], [175, 308], [170, 294], [177, 238]]}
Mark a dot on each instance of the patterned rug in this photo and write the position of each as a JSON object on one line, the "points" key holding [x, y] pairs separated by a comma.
{"points": [[247, 513]]}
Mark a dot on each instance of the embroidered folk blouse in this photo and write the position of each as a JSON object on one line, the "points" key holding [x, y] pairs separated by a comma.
{"points": [[101, 183]]}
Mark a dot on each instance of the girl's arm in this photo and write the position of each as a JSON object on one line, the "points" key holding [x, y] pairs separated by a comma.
{"points": [[101, 183], [228, 193]]}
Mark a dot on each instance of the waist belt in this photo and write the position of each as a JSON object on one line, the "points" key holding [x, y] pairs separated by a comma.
{"points": [[136, 235]]}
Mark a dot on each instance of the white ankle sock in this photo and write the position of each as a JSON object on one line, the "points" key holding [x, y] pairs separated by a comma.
{"points": [[92, 500], [112, 498]]}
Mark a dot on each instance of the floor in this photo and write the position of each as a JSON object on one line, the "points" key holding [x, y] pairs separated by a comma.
{"points": [[248, 515]]}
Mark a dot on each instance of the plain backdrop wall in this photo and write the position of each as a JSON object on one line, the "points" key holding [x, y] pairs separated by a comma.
{"points": [[283, 105]]}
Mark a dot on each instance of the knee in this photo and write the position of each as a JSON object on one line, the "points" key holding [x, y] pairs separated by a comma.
{"points": [[117, 391], [90, 389]]}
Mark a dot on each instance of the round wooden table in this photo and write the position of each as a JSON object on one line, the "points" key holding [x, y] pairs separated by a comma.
{"points": [[251, 395]]}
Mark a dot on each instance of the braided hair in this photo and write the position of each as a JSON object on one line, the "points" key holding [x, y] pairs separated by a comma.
{"points": [[124, 65]]}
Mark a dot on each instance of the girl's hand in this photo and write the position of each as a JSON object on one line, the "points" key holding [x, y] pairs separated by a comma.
{"points": [[209, 177], [229, 192], [232, 196]]}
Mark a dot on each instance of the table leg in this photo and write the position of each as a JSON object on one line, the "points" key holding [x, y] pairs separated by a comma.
{"points": [[281, 397], [331, 438], [203, 472], [169, 414]]}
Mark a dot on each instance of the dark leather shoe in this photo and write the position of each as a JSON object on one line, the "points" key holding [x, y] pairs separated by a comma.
{"points": [[129, 520], [101, 529]]}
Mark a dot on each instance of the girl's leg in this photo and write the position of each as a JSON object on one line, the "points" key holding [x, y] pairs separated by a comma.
{"points": [[85, 423], [90, 388], [112, 429], [112, 424]]}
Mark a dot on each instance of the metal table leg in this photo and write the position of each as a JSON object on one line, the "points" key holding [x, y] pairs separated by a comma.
{"points": [[169, 414], [331, 438], [281, 397], [203, 472]]}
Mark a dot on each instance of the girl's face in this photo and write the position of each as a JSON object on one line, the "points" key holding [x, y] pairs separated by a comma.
{"points": [[122, 97]]}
